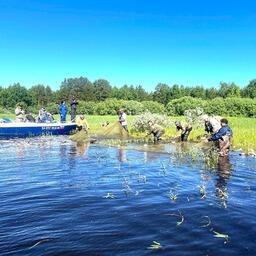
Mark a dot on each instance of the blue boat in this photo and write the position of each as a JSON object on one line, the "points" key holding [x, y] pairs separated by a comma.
{"points": [[22, 130]]}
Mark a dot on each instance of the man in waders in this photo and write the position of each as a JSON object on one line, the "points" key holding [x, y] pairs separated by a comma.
{"points": [[185, 130], [155, 129], [223, 136]]}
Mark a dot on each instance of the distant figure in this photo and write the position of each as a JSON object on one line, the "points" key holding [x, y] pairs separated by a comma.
{"points": [[185, 130], [223, 136], [63, 112], [211, 124], [122, 119], [41, 115], [73, 103], [19, 113], [105, 124], [49, 117], [155, 129], [82, 124], [30, 118]]}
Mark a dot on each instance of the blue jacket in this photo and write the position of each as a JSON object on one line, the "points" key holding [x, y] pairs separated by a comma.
{"points": [[223, 131], [63, 110]]}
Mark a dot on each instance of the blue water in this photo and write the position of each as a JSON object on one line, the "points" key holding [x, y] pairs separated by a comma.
{"points": [[58, 198]]}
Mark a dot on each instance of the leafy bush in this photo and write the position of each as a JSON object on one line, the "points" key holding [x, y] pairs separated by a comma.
{"points": [[153, 107], [216, 107], [179, 106], [141, 121], [194, 116], [52, 108], [240, 107], [86, 107], [132, 107]]}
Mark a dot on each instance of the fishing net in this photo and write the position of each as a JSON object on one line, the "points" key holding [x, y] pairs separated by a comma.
{"points": [[80, 136], [113, 131]]}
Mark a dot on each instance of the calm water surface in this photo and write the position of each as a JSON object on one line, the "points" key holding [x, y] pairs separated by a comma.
{"points": [[59, 198]]}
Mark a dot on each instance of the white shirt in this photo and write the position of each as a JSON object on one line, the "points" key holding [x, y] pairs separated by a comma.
{"points": [[122, 119]]}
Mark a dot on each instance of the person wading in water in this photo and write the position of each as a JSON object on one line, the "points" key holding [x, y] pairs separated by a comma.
{"points": [[185, 130], [223, 136], [155, 129]]}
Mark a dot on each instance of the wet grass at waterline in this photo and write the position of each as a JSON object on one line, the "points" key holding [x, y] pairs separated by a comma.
{"points": [[244, 130]]}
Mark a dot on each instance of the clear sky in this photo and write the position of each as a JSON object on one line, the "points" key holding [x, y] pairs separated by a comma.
{"points": [[138, 42]]}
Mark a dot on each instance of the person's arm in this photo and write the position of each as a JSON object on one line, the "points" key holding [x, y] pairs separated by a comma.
{"points": [[218, 135]]}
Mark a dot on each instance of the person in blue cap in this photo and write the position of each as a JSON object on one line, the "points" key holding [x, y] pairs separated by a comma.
{"points": [[63, 112]]}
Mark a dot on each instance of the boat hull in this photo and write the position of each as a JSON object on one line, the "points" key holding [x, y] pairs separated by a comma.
{"points": [[23, 130]]}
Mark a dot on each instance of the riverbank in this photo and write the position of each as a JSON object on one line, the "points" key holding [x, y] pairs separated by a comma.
{"points": [[244, 130]]}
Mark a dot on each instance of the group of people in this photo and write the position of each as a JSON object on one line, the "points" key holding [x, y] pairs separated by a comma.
{"points": [[45, 116], [216, 127]]}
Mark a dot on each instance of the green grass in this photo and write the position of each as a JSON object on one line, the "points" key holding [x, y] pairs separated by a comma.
{"points": [[244, 129]]}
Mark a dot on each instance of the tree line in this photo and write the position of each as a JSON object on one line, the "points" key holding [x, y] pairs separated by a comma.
{"points": [[100, 90]]}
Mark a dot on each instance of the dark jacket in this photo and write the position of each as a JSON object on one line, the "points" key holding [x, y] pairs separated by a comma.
{"points": [[73, 103], [223, 131]]}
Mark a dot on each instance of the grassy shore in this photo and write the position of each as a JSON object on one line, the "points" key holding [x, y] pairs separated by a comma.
{"points": [[244, 129]]}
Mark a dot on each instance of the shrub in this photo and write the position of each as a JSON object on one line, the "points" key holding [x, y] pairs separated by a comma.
{"points": [[153, 107], [216, 107], [86, 107], [194, 116], [240, 107], [178, 106], [133, 107], [53, 108], [141, 121]]}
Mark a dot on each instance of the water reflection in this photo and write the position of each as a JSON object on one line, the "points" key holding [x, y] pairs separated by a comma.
{"points": [[121, 155], [82, 148], [224, 171]]}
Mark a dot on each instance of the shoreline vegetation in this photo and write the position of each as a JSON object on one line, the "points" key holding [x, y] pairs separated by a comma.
{"points": [[244, 129]]}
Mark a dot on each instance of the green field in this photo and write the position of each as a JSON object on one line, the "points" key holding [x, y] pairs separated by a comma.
{"points": [[244, 129]]}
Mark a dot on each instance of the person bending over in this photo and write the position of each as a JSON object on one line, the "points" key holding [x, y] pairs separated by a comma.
{"points": [[82, 124], [223, 136], [185, 130], [155, 129]]}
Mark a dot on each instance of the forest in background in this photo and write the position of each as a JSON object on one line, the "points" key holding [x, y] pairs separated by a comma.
{"points": [[99, 97]]}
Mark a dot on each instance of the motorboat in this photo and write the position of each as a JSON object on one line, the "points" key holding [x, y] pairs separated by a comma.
{"points": [[27, 129]]}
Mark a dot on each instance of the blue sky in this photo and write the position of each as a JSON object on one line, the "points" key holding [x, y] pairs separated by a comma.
{"points": [[128, 42]]}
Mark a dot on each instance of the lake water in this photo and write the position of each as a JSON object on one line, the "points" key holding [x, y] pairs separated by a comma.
{"points": [[59, 198]]}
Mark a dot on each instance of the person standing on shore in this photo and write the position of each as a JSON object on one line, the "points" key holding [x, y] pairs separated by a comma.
{"points": [[63, 112], [73, 103]]}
